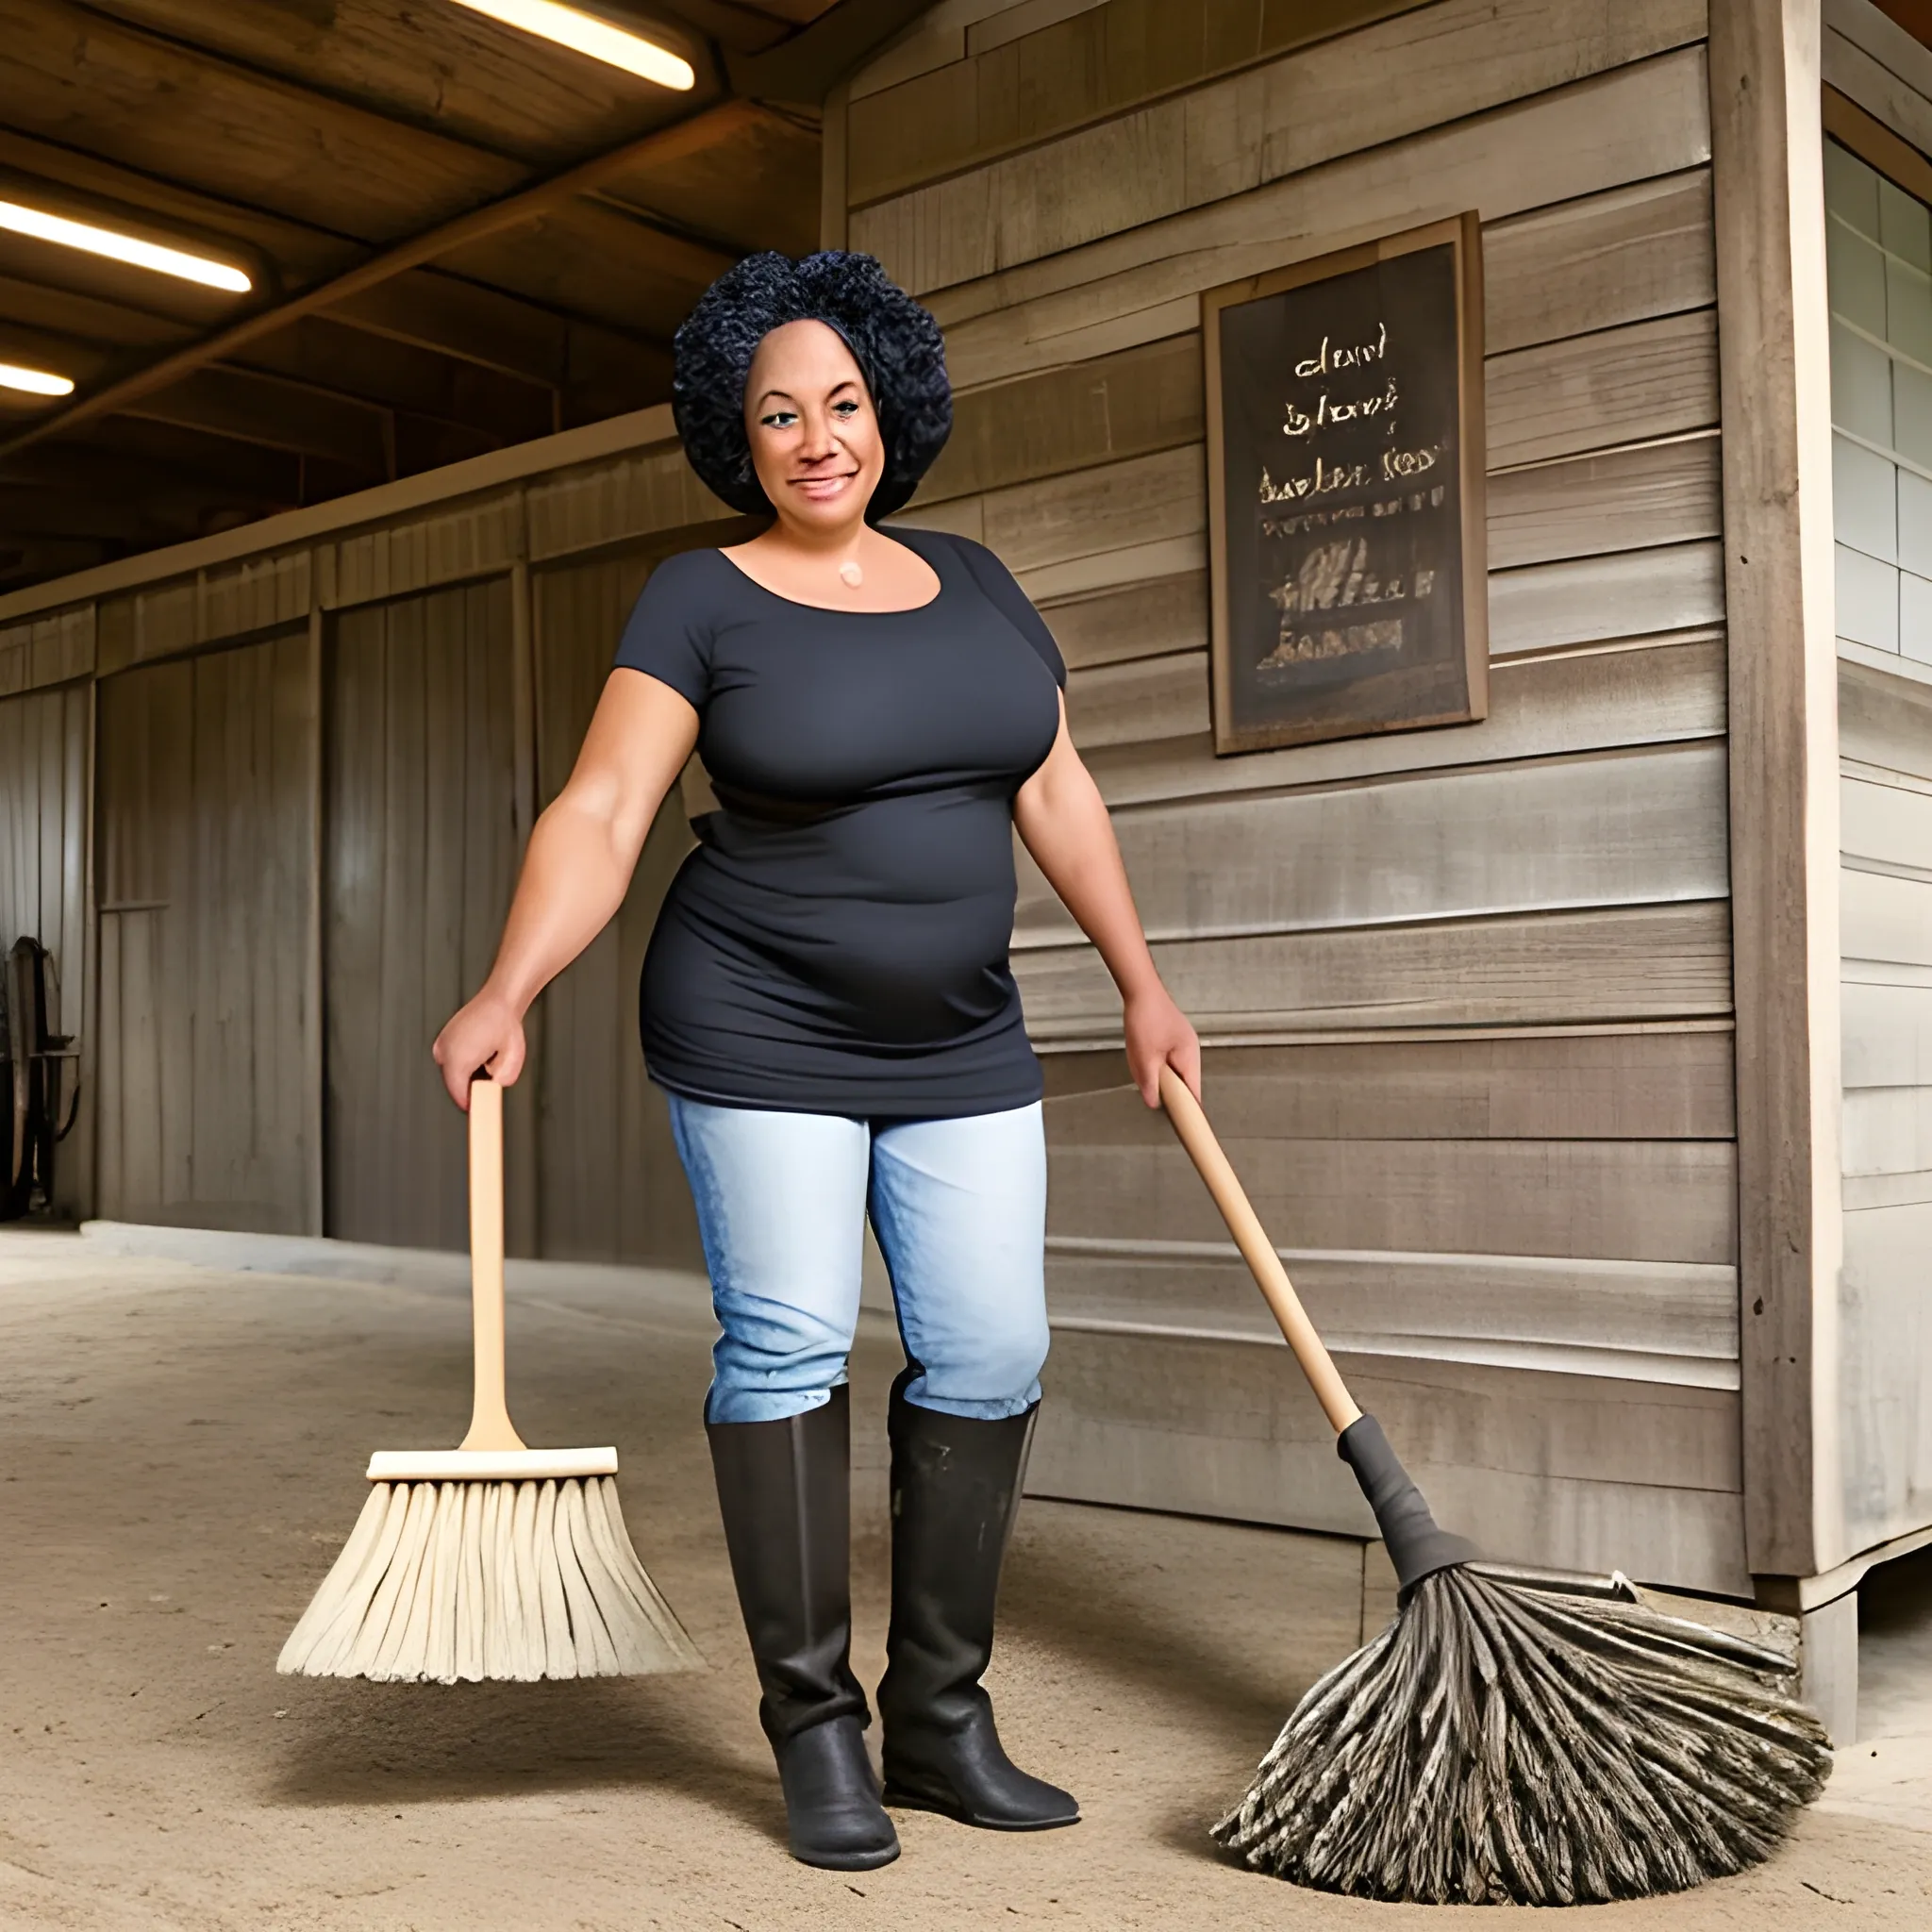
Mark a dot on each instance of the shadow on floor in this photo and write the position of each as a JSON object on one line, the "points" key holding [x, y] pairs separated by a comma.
{"points": [[1165, 1627], [372, 1744], [1895, 1647]]}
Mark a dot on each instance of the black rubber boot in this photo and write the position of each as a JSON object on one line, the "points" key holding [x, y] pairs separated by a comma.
{"points": [[784, 1491], [955, 1491]]}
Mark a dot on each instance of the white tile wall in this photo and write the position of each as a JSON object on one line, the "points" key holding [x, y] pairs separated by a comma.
{"points": [[1879, 266], [1865, 499], [1915, 616], [1915, 522], [1867, 599]]}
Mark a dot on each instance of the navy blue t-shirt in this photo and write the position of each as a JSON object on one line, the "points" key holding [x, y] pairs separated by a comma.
{"points": [[837, 944]]}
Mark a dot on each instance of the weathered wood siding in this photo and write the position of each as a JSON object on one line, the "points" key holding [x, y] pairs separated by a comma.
{"points": [[1467, 993], [609, 1185], [206, 1015], [321, 744], [419, 859]]}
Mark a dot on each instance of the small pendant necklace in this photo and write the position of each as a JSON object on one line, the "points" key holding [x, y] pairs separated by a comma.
{"points": [[851, 574]]}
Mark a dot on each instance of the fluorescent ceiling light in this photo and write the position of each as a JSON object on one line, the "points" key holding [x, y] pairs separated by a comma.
{"points": [[117, 247], [586, 34], [36, 382]]}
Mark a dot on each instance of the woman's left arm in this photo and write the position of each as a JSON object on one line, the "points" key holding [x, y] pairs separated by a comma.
{"points": [[1061, 817]]}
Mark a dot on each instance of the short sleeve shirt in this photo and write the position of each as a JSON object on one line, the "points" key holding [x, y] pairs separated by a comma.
{"points": [[837, 941]]}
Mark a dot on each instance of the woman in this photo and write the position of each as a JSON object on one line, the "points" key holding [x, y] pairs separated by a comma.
{"points": [[828, 1005]]}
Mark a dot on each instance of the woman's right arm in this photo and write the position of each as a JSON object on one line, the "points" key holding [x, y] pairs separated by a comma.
{"points": [[576, 869]]}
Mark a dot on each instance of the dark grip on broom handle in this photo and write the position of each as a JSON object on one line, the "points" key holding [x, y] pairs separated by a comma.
{"points": [[490, 1423], [1257, 1250]]}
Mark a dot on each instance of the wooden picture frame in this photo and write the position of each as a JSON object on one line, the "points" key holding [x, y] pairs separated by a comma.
{"points": [[1351, 596]]}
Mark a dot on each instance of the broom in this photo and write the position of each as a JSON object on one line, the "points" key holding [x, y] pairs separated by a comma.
{"points": [[493, 1559], [1509, 1739]]}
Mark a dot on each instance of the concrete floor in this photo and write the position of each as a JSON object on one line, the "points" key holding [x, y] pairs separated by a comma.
{"points": [[180, 1455]]}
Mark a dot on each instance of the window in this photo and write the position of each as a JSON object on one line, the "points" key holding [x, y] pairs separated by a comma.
{"points": [[1879, 242]]}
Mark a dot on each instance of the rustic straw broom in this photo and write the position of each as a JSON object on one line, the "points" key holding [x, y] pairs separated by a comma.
{"points": [[1507, 1738], [491, 1560]]}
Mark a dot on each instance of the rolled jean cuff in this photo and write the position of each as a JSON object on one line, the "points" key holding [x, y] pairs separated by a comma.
{"points": [[998, 1410], [734, 1402]]}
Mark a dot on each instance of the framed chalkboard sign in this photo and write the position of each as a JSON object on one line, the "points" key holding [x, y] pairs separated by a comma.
{"points": [[1346, 493]]}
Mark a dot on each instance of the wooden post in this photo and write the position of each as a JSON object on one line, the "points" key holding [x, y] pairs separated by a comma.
{"points": [[315, 1070], [1775, 375]]}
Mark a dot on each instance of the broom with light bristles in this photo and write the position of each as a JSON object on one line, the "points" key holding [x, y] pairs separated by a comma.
{"points": [[492, 1559], [1509, 1738]]}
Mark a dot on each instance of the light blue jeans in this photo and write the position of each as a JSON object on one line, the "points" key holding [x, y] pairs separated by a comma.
{"points": [[959, 1208]]}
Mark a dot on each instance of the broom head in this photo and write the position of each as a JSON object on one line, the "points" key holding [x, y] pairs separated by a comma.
{"points": [[1504, 1742], [465, 1566]]}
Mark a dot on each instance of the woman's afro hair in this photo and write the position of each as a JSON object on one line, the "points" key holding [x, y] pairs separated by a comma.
{"points": [[895, 342]]}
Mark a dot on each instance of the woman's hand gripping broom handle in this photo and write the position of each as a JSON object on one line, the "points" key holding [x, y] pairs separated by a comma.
{"points": [[490, 1423], [493, 1451], [1257, 1250]]}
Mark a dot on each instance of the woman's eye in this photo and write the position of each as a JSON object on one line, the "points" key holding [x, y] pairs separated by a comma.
{"points": [[845, 409], [779, 419]]}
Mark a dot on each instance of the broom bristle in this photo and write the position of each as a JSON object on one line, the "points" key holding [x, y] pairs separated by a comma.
{"points": [[455, 1582], [1498, 1744]]}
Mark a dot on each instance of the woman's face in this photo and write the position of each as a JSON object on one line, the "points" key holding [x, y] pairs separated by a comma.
{"points": [[815, 440]]}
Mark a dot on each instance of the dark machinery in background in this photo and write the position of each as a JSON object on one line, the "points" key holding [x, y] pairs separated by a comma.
{"points": [[35, 1057]]}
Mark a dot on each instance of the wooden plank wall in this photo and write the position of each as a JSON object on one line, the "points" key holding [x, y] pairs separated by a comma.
{"points": [[206, 833], [420, 853], [1467, 992], [446, 639], [609, 1185], [45, 736]]}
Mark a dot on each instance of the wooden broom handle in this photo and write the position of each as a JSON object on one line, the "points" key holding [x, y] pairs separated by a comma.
{"points": [[1257, 1250], [490, 1423]]}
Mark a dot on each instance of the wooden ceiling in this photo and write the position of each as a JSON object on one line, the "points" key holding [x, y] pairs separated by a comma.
{"points": [[459, 236]]}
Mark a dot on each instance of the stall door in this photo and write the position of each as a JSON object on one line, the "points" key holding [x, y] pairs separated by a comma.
{"points": [[419, 859], [207, 790], [610, 1187]]}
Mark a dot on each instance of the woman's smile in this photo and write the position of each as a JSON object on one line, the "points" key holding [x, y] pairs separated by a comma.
{"points": [[823, 489]]}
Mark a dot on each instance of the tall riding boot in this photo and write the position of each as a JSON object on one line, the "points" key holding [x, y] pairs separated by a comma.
{"points": [[784, 1491], [955, 1489]]}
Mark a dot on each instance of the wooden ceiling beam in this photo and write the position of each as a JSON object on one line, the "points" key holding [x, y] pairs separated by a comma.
{"points": [[466, 320], [97, 189], [153, 104], [31, 510], [244, 407], [706, 129], [131, 449], [111, 474], [806, 68], [216, 402], [438, 68], [33, 560], [683, 253], [87, 318], [331, 357], [457, 317]]}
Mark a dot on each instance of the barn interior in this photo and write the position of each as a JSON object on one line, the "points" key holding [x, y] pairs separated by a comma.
{"points": [[335, 351], [422, 235]]}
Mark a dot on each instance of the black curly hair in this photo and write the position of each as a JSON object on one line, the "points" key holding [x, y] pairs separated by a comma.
{"points": [[895, 342]]}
